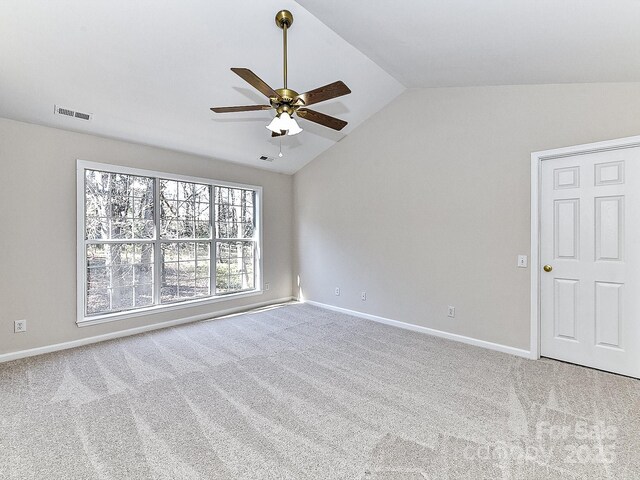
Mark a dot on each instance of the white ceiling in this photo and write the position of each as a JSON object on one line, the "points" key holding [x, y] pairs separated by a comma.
{"points": [[432, 43], [149, 71]]}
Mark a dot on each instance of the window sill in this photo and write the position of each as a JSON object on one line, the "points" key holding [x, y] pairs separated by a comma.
{"points": [[157, 309]]}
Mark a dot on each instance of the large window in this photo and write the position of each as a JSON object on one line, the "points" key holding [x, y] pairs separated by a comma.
{"points": [[150, 240]]}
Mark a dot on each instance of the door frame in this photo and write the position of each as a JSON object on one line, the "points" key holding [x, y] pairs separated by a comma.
{"points": [[536, 168]]}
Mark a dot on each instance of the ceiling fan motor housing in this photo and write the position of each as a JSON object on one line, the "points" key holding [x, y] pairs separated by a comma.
{"points": [[285, 102], [286, 94]]}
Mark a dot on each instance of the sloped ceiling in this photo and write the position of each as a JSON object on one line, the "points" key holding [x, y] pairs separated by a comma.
{"points": [[149, 71], [435, 43]]}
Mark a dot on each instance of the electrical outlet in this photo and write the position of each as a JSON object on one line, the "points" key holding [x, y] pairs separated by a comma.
{"points": [[523, 261], [363, 296], [451, 311], [267, 286], [337, 291], [20, 326]]}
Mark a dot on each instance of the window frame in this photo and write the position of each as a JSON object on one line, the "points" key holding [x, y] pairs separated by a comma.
{"points": [[81, 292]]}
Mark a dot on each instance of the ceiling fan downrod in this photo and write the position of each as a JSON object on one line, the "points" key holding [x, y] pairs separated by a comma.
{"points": [[284, 20]]}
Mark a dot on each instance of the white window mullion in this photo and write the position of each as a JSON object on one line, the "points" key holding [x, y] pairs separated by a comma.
{"points": [[157, 252], [110, 288], [256, 262], [82, 220], [213, 246]]}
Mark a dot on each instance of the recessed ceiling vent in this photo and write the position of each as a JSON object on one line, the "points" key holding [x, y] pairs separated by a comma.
{"points": [[68, 112], [266, 159]]}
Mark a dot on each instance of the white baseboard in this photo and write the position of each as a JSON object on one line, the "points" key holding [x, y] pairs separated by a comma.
{"points": [[7, 357], [429, 331]]}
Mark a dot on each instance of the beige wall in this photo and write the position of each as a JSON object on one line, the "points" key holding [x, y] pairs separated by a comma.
{"points": [[427, 203], [423, 206], [38, 228]]}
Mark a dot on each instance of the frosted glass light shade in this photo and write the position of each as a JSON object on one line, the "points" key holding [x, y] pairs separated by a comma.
{"points": [[276, 124], [294, 128], [284, 123]]}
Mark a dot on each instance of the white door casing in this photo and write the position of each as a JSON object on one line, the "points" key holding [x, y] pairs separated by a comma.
{"points": [[589, 220]]}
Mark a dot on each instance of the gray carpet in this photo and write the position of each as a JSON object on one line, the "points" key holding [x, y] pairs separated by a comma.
{"points": [[299, 392]]}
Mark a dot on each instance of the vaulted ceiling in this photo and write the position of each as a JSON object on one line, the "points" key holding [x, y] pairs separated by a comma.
{"points": [[435, 43], [148, 71]]}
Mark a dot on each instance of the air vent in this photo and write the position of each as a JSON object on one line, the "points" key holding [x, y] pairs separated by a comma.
{"points": [[68, 112], [266, 159], [64, 111]]}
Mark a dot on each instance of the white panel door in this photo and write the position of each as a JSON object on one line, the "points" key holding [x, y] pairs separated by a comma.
{"points": [[590, 242]]}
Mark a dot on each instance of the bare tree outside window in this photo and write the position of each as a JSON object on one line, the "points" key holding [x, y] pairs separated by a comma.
{"points": [[185, 233], [119, 231], [235, 242], [152, 241]]}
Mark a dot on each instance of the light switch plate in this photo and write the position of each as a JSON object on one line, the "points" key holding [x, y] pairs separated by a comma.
{"points": [[523, 261]]}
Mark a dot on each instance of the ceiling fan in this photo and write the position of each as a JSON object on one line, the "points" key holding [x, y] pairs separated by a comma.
{"points": [[285, 101]]}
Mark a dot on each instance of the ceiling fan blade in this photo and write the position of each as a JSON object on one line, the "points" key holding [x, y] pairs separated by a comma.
{"points": [[333, 90], [244, 108], [256, 82], [321, 118], [282, 132]]}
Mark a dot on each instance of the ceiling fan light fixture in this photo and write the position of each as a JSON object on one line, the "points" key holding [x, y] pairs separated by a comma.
{"points": [[284, 123], [285, 120], [278, 124], [294, 128]]}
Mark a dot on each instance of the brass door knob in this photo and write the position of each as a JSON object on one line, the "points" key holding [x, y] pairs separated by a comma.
{"points": [[547, 268]]}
